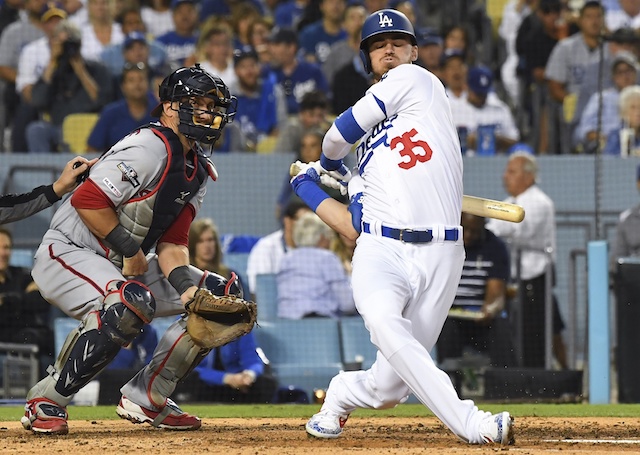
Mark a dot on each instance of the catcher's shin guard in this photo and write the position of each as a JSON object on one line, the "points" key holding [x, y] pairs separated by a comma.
{"points": [[174, 358], [90, 347]]}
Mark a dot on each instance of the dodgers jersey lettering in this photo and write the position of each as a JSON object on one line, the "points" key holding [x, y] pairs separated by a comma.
{"points": [[408, 149]]}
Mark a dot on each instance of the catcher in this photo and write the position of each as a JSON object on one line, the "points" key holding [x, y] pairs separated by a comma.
{"points": [[96, 263]]}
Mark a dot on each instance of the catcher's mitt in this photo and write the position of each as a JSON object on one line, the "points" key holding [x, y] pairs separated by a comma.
{"points": [[217, 320]]}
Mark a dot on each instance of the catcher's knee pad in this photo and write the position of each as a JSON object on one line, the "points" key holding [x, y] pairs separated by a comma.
{"points": [[219, 285], [127, 306]]}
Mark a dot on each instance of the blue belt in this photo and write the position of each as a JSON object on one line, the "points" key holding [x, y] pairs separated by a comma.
{"points": [[411, 236]]}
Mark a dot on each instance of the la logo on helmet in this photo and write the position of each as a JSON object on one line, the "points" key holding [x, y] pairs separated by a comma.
{"points": [[385, 21]]}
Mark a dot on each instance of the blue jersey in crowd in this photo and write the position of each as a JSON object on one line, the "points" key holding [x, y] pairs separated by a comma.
{"points": [[305, 78], [116, 121], [288, 14], [178, 47], [314, 40]]}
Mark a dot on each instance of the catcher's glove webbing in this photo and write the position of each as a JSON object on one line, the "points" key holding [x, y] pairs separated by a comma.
{"points": [[217, 320]]}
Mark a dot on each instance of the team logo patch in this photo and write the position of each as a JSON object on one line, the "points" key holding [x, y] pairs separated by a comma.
{"points": [[112, 187], [129, 174], [384, 20]]}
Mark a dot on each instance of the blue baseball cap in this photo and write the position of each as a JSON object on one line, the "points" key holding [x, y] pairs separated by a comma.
{"points": [[134, 37], [428, 36], [176, 3], [480, 80]]}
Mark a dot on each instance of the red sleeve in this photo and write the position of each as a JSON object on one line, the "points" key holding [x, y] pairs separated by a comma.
{"points": [[178, 232], [89, 196]]}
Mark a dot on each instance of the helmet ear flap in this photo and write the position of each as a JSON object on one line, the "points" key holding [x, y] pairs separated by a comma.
{"points": [[366, 61]]}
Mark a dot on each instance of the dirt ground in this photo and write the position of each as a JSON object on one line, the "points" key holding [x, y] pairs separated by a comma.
{"points": [[388, 435]]}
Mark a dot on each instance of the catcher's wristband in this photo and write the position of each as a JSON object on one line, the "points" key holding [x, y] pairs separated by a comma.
{"points": [[121, 242], [180, 279]]}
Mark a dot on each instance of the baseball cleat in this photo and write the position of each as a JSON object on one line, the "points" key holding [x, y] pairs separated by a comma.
{"points": [[326, 424], [171, 417], [45, 416], [497, 428]]}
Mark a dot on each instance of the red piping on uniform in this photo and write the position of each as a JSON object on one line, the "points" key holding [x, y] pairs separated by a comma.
{"points": [[74, 271], [128, 305], [164, 173], [157, 372], [204, 278]]}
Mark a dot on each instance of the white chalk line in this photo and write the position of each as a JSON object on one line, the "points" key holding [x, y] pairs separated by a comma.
{"points": [[596, 441]]}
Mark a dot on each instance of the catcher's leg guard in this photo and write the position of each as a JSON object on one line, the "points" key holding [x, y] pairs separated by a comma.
{"points": [[174, 358], [90, 347]]}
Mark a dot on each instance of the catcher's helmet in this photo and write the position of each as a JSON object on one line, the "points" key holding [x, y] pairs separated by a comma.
{"points": [[184, 84], [383, 21]]}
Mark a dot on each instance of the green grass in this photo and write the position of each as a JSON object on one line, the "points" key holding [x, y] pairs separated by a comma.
{"points": [[304, 411]]}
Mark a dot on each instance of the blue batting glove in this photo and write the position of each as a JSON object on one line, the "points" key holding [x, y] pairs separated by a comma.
{"points": [[310, 175]]}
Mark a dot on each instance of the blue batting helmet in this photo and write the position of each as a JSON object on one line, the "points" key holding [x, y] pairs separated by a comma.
{"points": [[383, 21]]}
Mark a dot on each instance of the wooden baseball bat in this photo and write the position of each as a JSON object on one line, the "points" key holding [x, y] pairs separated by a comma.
{"points": [[478, 206]]}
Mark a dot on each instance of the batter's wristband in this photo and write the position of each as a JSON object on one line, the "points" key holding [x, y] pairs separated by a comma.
{"points": [[121, 242], [329, 164], [180, 279], [311, 194]]}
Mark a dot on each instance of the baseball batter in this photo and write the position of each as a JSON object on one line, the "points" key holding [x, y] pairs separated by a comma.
{"points": [[409, 257], [142, 194]]}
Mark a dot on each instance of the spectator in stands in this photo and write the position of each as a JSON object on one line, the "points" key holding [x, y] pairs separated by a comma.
{"points": [[344, 248], [289, 12], [214, 52], [242, 16], [627, 241], [533, 241], [233, 373], [157, 17], [223, 9], [453, 72], [316, 38], [566, 69], [121, 117], [24, 314], [628, 15], [14, 207], [312, 281], [296, 77], [69, 84], [9, 13], [136, 47], [259, 32], [375, 5], [262, 109], [478, 318], [101, 31], [513, 14], [205, 250], [625, 139], [537, 36], [430, 49], [484, 120], [266, 254], [312, 115], [624, 71], [180, 43], [456, 38], [343, 51], [13, 39]]}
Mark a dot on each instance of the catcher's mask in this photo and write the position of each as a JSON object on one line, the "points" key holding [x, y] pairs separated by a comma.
{"points": [[188, 86]]}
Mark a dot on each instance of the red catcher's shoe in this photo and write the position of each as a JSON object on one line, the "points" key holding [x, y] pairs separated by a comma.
{"points": [[45, 416], [171, 417]]}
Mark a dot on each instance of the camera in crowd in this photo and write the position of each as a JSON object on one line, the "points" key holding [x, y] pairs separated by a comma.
{"points": [[70, 49]]}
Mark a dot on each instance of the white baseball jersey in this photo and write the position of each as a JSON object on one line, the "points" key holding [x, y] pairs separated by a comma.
{"points": [[409, 150]]}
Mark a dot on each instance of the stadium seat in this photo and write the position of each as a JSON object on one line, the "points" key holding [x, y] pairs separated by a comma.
{"points": [[267, 144], [303, 353], [267, 297], [76, 129], [356, 342]]}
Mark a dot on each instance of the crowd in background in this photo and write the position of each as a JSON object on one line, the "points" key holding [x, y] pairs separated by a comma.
{"points": [[520, 74]]}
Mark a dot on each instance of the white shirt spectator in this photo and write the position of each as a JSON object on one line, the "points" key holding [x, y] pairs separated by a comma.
{"points": [[91, 45], [620, 19], [158, 23], [33, 59], [265, 257], [513, 14]]}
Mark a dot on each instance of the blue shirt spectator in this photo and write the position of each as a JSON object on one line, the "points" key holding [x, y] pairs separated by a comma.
{"points": [[238, 356], [287, 14], [317, 37], [181, 42], [113, 57], [178, 47]]}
